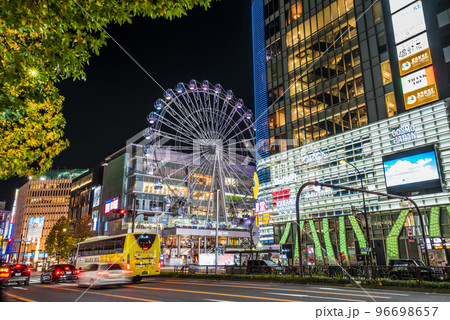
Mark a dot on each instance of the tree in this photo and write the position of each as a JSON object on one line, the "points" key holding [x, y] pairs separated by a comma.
{"points": [[41, 43], [60, 240], [82, 229]]}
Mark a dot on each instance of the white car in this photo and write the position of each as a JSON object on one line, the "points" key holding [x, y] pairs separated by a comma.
{"points": [[96, 275]]}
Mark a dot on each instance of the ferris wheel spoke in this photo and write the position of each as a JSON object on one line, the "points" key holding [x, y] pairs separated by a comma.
{"points": [[175, 137], [178, 128], [248, 128]]}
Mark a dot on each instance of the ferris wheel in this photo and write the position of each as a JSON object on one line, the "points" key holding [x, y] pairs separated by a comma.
{"points": [[201, 139]]}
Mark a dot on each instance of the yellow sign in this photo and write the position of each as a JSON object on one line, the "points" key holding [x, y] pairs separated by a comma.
{"points": [[415, 62], [421, 96], [255, 185], [263, 219]]}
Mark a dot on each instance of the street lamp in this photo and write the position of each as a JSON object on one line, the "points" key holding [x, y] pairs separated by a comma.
{"points": [[344, 162], [217, 228]]}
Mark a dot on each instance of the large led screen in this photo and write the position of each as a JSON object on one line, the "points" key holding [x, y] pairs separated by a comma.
{"points": [[412, 172]]}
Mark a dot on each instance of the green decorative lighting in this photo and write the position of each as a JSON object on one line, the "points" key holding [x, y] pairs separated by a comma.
{"points": [[448, 210], [392, 238], [302, 223], [286, 233], [435, 230], [358, 232], [319, 257], [342, 238], [328, 244]]}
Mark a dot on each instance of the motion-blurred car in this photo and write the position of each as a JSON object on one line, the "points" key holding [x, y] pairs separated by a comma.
{"points": [[400, 269], [263, 266], [16, 272], [97, 275], [59, 273]]}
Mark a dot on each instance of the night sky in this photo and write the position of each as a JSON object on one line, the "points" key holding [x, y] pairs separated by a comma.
{"points": [[112, 105]]}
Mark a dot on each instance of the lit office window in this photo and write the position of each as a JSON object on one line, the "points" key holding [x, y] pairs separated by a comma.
{"points": [[391, 107], [294, 13], [386, 72], [377, 12]]}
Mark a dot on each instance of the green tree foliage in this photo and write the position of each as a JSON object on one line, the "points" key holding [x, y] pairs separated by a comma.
{"points": [[41, 43], [60, 240], [82, 229]]}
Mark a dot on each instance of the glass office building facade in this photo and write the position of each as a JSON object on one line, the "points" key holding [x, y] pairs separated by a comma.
{"points": [[354, 81]]}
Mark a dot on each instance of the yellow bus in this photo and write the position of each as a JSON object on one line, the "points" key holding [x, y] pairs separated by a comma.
{"points": [[137, 252]]}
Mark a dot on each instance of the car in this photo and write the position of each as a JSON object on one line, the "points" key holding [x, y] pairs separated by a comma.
{"points": [[97, 275], [15, 272], [263, 266], [413, 269], [59, 273]]}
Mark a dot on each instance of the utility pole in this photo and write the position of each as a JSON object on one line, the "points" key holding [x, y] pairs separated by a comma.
{"points": [[133, 218], [217, 228]]}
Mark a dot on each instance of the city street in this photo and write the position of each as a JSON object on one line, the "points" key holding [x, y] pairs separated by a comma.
{"points": [[199, 290]]}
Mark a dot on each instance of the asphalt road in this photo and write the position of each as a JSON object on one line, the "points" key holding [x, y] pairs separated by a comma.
{"points": [[161, 289]]}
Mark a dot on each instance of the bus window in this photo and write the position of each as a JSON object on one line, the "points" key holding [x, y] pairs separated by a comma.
{"points": [[108, 246], [118, 245], [145, 241]]}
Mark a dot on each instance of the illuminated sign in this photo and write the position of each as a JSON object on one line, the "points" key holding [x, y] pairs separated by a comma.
{"points": [[414, 54], [282, 201], [111, 205], [398, 4], [402, 134], [285, 180], [318, 193], [35, 227], [315, 158], [408, 22], [261, 206], [263, 219], [419, 88]]}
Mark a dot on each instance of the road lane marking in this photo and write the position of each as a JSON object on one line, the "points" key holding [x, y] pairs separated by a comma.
{"points": [[279, 289], [213, 293], [20, 288], [214, 300], [19, 298], [377, 292], [104, 294], [320, 297]]}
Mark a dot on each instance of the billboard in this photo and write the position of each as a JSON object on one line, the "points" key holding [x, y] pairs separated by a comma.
{"points": [[414, 54], [419, 88], [35, 226], [398, 4], [408, 22], [412, 172], [112, 204]]}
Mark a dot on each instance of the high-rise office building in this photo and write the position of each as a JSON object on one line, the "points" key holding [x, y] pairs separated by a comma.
{"points": [[348, 91]]}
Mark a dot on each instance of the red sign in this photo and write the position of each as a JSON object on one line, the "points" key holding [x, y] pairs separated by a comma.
{"points": [[410, 232]]}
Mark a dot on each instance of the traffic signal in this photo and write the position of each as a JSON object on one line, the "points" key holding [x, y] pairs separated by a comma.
{"points": [[121, 211], [10, 240]]}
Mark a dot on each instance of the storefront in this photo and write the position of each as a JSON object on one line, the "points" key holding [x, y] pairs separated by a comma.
{"points": [[405, 155]]}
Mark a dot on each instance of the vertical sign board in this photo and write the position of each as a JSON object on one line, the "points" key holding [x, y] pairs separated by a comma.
{"points": [[35, 226], [398, 4], [419, 88], [408, 22], [414, 54]]}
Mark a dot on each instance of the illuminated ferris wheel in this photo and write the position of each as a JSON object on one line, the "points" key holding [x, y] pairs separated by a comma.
{"points": [[201, 139]]}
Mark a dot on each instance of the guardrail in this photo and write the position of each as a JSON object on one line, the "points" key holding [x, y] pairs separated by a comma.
{"points": [[348, 272]]}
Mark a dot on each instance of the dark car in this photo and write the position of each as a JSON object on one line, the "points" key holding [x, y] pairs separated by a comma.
{"points": [[263, 266], [59, 273], [413, 269], [15, 272]]}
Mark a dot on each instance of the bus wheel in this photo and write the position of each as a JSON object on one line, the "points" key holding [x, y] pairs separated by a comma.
{"points": [[137, 279]]}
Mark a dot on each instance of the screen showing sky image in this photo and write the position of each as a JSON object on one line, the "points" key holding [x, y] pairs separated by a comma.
{"points": [[411, 169]]}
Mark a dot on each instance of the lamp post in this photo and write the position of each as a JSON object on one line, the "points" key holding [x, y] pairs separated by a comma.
{"points": [[364, 211], [217, 228]]}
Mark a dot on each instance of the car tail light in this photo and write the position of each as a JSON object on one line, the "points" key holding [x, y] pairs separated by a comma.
{"points": [[128, 266], [159, 264], [77, 271], [66, 268], [103, 273], [145, 248], [18, 266], [28, 270], [57, 272]]}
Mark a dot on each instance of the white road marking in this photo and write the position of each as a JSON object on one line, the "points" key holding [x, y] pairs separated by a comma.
{"points": [[21, 288], [213, 300], [309, 296], [376, 292]]}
